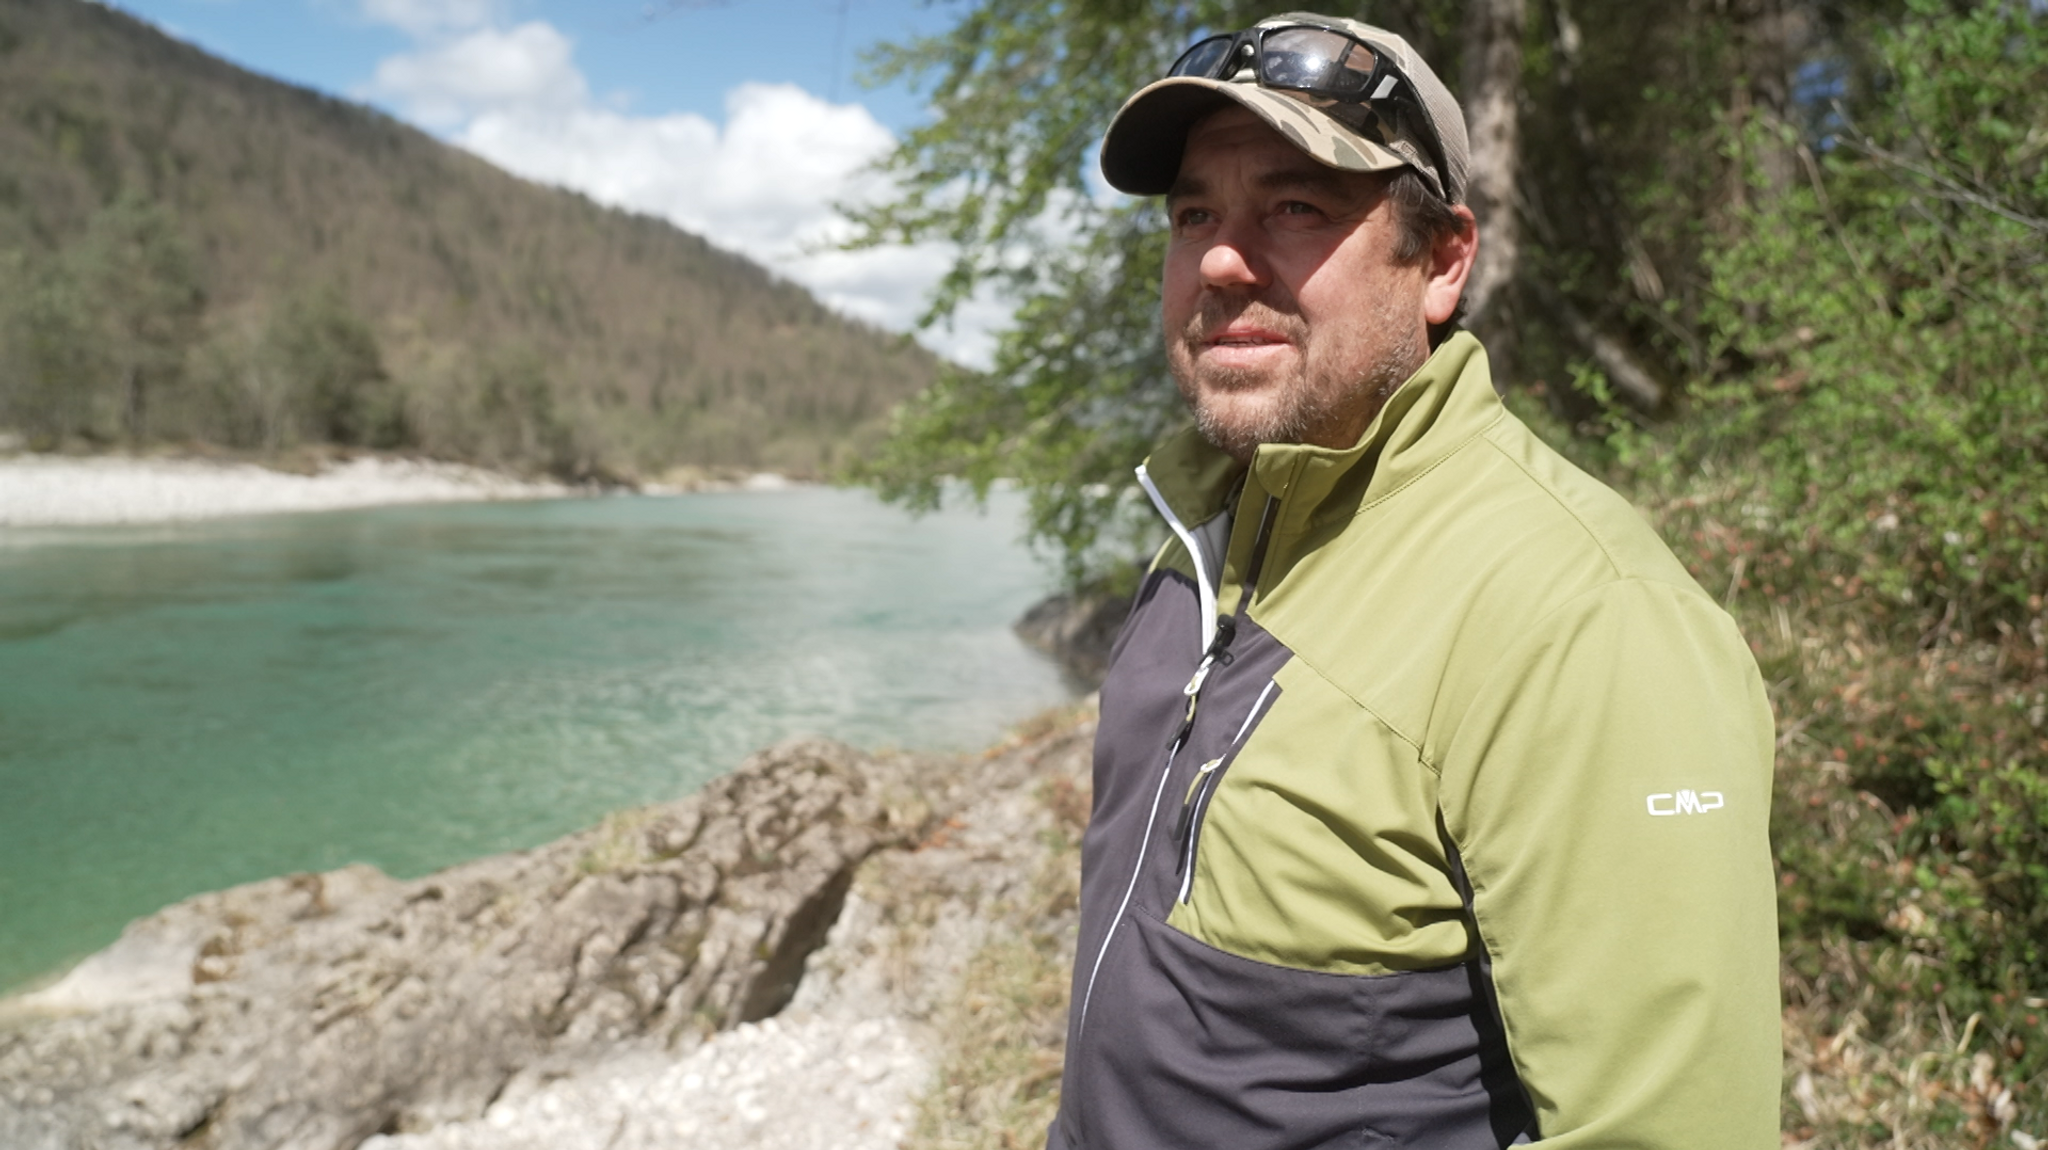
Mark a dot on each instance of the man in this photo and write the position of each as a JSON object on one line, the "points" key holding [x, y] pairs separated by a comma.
{"points": [[1430, 792]]}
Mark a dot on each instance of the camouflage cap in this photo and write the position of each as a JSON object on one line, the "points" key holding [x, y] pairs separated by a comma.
{"points": [[1142, 151]]}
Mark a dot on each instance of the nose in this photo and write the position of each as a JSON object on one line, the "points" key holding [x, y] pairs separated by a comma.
{"points": [[1233, 259]]}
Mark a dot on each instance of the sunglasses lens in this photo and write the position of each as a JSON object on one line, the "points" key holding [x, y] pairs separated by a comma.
{"points": [[1205, 59], [1312, 59]]}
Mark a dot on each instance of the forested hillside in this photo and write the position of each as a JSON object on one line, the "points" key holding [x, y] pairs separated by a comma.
{"points": [[193, 254]]}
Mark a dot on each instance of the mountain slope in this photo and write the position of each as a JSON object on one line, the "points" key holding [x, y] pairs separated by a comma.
{"points": [[192, 252]]}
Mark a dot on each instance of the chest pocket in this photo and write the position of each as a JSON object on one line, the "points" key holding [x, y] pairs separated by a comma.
{"points": [[1208, 776], [1312, 843]]}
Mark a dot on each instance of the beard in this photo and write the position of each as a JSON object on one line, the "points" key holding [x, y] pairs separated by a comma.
{"points": [[1296, 413], [1237, 409]]}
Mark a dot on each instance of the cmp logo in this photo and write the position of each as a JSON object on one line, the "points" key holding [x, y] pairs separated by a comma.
{"points": [[1686, 803]]}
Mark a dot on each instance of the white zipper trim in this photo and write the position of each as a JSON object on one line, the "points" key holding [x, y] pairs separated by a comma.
{"points": [[1254, 712], [1207, 593], [1187, 539], [1118, 919], [1201, 801], [1187, 869]]}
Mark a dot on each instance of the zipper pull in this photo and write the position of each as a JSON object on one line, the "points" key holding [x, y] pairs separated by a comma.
{"points": [[1226, 630], [1187, 806]]}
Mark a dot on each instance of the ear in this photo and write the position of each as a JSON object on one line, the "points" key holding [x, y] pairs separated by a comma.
{"points": [[1450, 262]]}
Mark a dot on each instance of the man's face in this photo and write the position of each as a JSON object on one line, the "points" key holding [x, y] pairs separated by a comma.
{"points": [[1287, 319]]}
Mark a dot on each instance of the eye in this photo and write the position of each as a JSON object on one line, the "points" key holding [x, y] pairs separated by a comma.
{"points": [[1298, 208], [1187, 218]]}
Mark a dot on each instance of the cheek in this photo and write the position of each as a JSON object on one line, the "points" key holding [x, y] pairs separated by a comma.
{"points": [[1180, 288]]}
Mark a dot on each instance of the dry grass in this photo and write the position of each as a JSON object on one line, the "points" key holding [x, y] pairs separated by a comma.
{"points": [[1911, 1019], [1914, 1084], [997, 1084]]}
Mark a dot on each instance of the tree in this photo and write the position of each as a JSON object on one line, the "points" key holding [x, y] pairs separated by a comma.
{"points": [[47, 351], [1599, 169], [1079, 389], [1879, 326], [142, 288], [329, 360], [1492, 86], [97, 331], [1871, 433]]}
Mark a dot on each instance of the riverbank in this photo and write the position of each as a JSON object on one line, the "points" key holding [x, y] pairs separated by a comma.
{"points": [[107, 490], [634, 985]]}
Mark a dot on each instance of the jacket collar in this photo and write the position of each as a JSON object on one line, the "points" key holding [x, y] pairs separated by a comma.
{"points": [[1447, 401]]}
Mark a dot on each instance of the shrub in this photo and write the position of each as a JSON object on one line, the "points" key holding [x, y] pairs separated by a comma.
{"points": [[1862, 479]]}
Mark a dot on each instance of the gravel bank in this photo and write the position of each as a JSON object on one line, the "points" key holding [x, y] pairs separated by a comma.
{"points": [[783, 1083], [62, 491]]}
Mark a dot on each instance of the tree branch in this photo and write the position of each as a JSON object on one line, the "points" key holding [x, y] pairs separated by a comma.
{"points": [[1627, 373], [1955, 190]]}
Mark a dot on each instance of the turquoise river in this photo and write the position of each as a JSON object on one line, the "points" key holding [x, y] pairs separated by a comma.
{"points": [[185, 708]]}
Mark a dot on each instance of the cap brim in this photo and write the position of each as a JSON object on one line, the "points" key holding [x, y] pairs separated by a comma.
{"points": [[1141, 153]]}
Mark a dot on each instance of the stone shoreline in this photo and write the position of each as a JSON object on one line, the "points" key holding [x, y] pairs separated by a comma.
{"points": [[759, 965]]}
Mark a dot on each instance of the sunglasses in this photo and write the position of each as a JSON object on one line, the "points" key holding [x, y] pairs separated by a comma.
{"points": [[1323, 63]]}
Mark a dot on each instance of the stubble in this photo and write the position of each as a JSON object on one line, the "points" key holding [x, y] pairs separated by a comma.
{"points": [[1307, 403]]}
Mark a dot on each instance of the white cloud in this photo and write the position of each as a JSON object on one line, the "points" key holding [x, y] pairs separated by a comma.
{"points": [[763, 184], [524, 70], [424, 18]]}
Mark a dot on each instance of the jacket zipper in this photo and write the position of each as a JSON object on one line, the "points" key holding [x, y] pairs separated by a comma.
{"points": [[1195, 807], [1196, 790], [1193, 691], [1216, 636], [1210, 775], [1217, 633]]}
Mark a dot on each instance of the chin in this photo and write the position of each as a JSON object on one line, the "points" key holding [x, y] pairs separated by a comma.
{"points": [[1237, 428], [1236, 410]]}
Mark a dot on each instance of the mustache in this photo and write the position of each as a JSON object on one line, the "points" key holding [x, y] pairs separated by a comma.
{"points": [[1219, 312]]}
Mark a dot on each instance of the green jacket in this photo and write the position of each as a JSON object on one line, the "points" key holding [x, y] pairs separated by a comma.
{"points": [[1431, 809]]}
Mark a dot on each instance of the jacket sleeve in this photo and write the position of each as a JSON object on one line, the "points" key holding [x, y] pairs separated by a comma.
{"points": [[1608, 790]]}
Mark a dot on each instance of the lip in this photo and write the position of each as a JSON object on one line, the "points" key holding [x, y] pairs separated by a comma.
{"points": [[1235, 338], [1244, 348]]}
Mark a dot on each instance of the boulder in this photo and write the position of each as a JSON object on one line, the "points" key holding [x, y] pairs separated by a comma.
{"points": [[1078, 629], [314, 1011]]}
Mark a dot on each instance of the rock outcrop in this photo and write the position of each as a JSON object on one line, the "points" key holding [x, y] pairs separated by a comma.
{"points": [[317, 1011], [886, 1006], [1078, 629]]}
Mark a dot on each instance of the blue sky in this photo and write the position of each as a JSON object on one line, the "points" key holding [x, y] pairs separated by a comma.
{"points": [[652, 58], [740, 120]]}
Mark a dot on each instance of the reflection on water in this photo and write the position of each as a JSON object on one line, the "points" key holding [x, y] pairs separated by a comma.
{"points": [[183, 709]]}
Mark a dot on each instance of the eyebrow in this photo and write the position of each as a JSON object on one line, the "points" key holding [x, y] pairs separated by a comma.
{"points": [[1313, 178]]}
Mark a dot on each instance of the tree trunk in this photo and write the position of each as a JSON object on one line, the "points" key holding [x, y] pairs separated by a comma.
{"points": [[1772, 38], [132, 404], [1492, 91]]}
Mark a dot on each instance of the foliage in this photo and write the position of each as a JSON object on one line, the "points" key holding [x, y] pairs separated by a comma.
{"points": [[331, 357], [45, 345], [1863, 474], [1071, 448], [1622, 193], [1908, 825], [1079, 389], [1856, 469], [1881, 328], [101, 332]]}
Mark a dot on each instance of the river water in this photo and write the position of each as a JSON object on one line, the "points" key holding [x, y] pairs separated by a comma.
{"points": [[187, 708]]}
